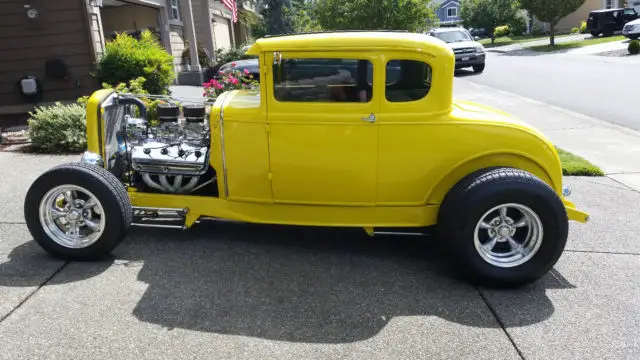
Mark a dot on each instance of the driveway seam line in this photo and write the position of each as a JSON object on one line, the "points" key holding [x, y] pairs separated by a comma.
{"points": [[623, 184], [34, 292], [603, 252], [504, 329], [12, 222]]}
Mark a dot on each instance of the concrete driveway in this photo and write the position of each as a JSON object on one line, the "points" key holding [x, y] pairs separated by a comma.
{"points": [[222, 291]]}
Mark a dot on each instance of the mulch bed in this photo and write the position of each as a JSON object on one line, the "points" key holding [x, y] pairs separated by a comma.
{"points": [[616, 53]]}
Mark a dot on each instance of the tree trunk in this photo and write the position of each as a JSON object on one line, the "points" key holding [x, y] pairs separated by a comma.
{"points": [[552, 34]]}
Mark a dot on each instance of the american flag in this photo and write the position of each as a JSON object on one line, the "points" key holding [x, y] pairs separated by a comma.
{"points": [[231, 5]]}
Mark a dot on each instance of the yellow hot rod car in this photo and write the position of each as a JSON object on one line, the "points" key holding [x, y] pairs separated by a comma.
{"points": [[345, 129]]}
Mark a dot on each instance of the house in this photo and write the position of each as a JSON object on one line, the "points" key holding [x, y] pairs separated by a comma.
{"points": [[574, 19], [56, 44], [448, 11]]}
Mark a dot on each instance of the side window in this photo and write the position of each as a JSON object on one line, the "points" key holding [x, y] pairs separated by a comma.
{"points": [[407, 80], [323, 80]]}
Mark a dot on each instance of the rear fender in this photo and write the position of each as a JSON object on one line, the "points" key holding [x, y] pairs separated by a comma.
{"points": [[458, 172]]}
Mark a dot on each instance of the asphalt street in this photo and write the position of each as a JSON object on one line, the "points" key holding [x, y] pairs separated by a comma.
{"points": [[597, 86]]}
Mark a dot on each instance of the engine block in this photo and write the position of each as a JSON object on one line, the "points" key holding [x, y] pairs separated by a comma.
{"points": [[172, 156]]}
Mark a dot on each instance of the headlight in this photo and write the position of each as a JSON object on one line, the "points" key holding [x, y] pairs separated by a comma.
{"points": [[92, 158], [480, 49]]}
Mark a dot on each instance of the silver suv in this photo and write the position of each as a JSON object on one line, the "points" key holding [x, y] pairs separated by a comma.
{"points": [[469, 52]]}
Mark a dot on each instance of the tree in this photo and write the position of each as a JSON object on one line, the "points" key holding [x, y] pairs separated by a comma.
{"points": [[551, 12], [411, 15], [488, 14], [278, 17]]}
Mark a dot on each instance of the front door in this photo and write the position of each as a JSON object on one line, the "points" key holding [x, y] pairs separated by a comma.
{"points": [[323, 138]]}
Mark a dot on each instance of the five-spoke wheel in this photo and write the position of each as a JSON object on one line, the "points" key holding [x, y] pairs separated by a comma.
{"points": [[503, 227], [77, 211], [72, 216], [508, 235]]}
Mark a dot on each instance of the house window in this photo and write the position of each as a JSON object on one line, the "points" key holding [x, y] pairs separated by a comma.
{"points": [[610, 4], [174, 11], [452, 12]]}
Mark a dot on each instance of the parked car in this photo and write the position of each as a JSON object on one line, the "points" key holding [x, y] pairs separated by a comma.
{"points": [[250, 65], [322, 141], [608, 21], [468, 52], [632, 30], [479, 33]]}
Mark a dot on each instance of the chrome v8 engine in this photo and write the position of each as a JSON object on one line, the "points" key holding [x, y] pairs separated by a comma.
{"points": [[172, 156]]}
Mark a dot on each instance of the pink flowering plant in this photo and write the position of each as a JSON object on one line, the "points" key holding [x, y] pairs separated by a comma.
{"points": [[230, 80]]}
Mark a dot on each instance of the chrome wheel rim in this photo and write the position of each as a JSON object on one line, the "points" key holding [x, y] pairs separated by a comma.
{"points": [[508, 235], [72, 216]]}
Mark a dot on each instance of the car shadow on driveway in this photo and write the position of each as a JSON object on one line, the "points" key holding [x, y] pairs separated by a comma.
{"points": [[292, 284]]}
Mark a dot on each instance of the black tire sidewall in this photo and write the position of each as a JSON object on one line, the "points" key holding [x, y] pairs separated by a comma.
{"points": [[537, 197], [114, 226]]}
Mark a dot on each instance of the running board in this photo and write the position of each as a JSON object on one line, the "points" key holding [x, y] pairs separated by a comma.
{"points": [[174, 218], [407, 231], [165, 218]]}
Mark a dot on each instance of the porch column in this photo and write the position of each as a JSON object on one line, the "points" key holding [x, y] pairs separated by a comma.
{"points": [[190, 29]]}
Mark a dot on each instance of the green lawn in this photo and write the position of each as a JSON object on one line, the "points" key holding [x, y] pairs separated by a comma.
{"points": [[576, 44], [573, 165], [508, 40]]}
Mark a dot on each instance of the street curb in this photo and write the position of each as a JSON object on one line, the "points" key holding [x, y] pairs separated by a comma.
{"points": [[597, 121]]}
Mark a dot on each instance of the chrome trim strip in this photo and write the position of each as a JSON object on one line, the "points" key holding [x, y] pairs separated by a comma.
{"points": [[224, 156]]}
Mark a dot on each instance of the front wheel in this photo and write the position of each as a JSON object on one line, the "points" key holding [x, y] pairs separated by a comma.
{"points": [[478, 68], [503, 227], [77, 211]]}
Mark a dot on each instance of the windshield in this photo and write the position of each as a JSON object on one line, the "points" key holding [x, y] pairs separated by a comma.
{"points": [[453, 36]]}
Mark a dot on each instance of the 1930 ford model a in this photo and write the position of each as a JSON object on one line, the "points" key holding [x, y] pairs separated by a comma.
{"points": [[353, 129]]}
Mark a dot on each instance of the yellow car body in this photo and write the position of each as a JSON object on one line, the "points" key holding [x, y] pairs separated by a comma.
{"points": [[322, 164], [346, 129]]}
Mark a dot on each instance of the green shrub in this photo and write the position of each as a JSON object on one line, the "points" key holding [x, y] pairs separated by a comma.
{"points": [[126, 58], [634, 47], [583, 27], [233, 54], [517, 26], [203, 58], [58, 128], [501, 31], [575, 30]]}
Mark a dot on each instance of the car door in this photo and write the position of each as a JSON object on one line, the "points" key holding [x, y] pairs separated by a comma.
{"points": [[323, 138], [412, 133]]}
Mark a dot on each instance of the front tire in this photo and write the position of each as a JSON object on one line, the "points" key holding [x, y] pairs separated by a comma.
{"points": [[77, 211], [503, 227], [478, 68]]}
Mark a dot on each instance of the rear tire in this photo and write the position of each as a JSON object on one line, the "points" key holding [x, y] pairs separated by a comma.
{"points": [[594, 34], [503, 250], [77, 211]]}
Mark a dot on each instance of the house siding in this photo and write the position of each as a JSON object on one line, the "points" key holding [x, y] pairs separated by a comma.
{"points": [[573, 20], [60, 31], [202, 24], [441, 11]]}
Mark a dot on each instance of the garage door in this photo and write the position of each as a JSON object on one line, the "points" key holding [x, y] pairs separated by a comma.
{"points": [[221, 33]]}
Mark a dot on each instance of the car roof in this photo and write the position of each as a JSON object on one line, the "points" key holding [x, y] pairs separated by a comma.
{"points": [[445, 29], [606, 10], [351, 40]]}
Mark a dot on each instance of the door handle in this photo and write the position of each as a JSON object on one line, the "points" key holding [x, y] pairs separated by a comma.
{"points": [[371, 118]]}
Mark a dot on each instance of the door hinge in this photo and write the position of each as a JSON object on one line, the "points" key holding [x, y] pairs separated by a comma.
{"points": [[270, 176], [268, 128]]}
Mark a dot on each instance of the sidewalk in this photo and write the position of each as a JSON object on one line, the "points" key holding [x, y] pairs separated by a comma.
{"points": [[600, 48], [544, 41], [613, 148]]}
